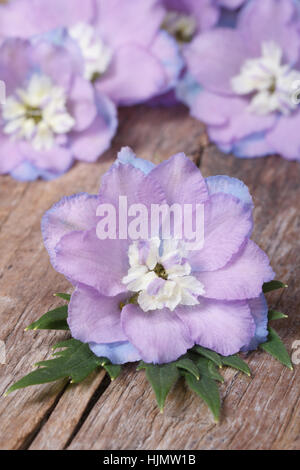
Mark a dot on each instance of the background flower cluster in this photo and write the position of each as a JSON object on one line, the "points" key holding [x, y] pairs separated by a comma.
{"points": [[68, 65]]}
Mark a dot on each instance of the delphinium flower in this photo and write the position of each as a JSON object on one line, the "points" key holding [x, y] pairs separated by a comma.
{"points": [[186, 18], [246, 81], [154, 297], [127, 55], [51, 115]]}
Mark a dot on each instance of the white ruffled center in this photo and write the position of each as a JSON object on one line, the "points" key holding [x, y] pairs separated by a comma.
{"points": [[96, 54], [270, 82], [37, 113], [180, 25], [160, 275]]}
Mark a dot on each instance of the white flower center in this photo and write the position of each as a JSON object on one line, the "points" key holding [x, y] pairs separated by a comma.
{"points": [[270, 82], [180, 25], [37, 113], [96, 54], [160, 275]]}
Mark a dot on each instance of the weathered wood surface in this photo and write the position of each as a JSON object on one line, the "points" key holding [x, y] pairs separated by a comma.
{"points": [[258, 413]]}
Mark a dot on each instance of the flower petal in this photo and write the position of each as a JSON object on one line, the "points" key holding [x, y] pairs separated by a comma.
{"points": [[117, 353], [181, 180], [89, 145], [134, 75], [242, 278], [227, 185], [95, 318], [259, 312], [85, 259], [277, 137], [127, 157], [215, 57], [72, 213], [227, 225], [26, 18], [160, 336], [129, 22], [59, 159], [255, 26], [224, 327], [81, 103], [10, 155]]}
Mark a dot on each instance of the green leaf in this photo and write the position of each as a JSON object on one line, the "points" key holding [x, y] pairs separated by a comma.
{"points": [[208, 369], [188, 365], [162, 378], [66, 297], [237, 363], [53, 320], [76, 362], [208, 390], [275, 315], [113, 370], [273, 285], [213, 356], [277, 349]]}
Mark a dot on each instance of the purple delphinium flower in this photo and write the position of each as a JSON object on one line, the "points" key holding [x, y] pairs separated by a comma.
{"points": [[52, 115], [126, 54], [249, 81], [153, 299]]}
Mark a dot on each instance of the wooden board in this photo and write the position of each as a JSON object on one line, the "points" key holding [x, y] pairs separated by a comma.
{"points": [[258, 413]]}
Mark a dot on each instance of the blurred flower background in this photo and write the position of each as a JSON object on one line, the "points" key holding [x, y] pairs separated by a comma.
{"points": [[68, 65]]}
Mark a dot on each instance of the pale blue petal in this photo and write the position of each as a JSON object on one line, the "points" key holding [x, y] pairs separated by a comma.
{"points": [[187, 90], [127, 157], [117, 353], [28, 172], [259, 312], [227, 185]]}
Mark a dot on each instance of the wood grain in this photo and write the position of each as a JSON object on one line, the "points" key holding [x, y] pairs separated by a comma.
{"points": [[258, 413]]}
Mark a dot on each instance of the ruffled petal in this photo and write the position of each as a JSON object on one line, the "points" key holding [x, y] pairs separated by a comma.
{"points": [[72, 213], [85, 259], [117, 353], [259, 312], [160, 336], [227, 225], [224, 327], [58, 159], [134, 75], [181, 180], [95, 318], [127, 157], [91, 143], [242, 278], [227, 185], [215, 57]]}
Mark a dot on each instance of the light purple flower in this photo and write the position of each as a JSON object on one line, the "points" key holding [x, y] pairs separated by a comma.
{"points": [[249, 81], [153, 299], [126, 54], [52, 115]]}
